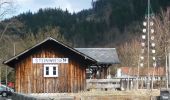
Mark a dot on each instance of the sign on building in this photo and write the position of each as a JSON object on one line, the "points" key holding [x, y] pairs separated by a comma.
{"points": [[49, 60]]}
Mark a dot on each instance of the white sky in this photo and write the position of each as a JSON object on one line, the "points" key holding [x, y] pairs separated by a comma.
{"points": [[34, 5]]}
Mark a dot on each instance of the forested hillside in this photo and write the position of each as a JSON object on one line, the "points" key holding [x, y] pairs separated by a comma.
{"points": [[109, 23], [101, 25]]}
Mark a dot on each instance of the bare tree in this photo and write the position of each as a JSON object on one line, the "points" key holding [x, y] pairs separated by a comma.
{"points": [[6, 8], [129, 53], [162, 34]]}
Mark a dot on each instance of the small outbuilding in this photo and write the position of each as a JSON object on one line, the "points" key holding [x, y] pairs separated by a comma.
{"points": [[105, 57], [50, 67]]}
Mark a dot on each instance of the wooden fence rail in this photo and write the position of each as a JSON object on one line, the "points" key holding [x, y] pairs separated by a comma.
{"points": [[103, 84]]}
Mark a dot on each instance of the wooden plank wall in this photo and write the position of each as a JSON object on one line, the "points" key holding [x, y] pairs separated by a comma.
{"points": [[30, 77]]}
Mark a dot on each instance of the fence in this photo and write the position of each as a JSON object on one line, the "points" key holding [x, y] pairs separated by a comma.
{"points": [[123, 84], [103, 84]]}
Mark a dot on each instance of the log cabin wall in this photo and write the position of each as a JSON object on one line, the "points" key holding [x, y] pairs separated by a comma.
{"points": [[30, 76]]}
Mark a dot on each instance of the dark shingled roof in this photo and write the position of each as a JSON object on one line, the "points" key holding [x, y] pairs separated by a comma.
{"points": [[101, 55]]}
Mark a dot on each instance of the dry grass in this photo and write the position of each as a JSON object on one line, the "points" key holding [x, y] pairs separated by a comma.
{"points": [[107, 95], [140, 92]]}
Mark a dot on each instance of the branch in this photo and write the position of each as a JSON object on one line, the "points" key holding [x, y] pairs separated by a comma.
{"points": [[4, 31]]}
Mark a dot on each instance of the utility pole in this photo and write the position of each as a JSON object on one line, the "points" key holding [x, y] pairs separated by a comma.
{"points": [[14, 50], [148, 31]]}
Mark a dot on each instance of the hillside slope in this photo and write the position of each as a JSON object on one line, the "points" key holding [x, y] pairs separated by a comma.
{"points": [[107, 22]]}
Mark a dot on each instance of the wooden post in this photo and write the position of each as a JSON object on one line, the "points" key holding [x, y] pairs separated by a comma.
{"points": [[168, 72], [0, 73], [153, 78], [128, 79], [166, 69], [138, 73]]}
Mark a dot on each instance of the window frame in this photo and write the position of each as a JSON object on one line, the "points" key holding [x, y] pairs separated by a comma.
{"points": [[51, 70]]}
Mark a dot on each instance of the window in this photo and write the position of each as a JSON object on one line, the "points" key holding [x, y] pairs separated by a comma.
{"points": [[50, 70]]}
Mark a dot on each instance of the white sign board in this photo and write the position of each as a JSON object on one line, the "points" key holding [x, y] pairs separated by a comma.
{"points": [[49, 60]]}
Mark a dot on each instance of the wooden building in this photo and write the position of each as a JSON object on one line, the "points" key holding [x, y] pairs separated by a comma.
{"points": [[50, 67]]}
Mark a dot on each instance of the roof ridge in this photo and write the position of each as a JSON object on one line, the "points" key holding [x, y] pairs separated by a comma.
{"points": [[43, 41], [95, 48]]}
